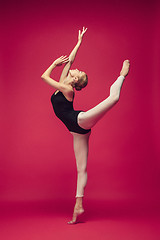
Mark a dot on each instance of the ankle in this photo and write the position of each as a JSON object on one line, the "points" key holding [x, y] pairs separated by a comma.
{"points": [[78, 205], [79, 200]]}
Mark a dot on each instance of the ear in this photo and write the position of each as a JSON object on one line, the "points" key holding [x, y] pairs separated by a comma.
{"points": [[75, 79]]}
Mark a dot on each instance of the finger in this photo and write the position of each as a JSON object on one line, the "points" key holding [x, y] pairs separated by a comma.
{"points": [[66, 59], [85, 30], [64, 56], [65, 62]]}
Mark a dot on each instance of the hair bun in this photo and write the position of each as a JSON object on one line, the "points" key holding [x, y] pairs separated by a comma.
{"points": [[78, 88]]}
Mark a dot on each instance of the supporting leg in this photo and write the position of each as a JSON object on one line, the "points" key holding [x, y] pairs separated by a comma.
{"points": [[88, 119], [81, 155], [80, 142]]}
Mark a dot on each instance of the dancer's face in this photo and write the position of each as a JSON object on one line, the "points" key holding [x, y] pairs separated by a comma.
{"points": [[75, 73], [79, 78]]}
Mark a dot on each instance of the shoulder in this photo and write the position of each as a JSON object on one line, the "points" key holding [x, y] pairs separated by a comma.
{"points": [[68, 92]]}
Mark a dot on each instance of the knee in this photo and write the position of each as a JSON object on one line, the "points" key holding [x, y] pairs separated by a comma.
{"points": [[114, 98], [81, 170]]}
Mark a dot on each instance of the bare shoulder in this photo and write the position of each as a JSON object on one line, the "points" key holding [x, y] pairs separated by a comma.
{"points": [[68, 92]]}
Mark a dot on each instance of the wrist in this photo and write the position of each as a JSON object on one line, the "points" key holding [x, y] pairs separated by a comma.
{"points": [[79, 42], [54, 65]]}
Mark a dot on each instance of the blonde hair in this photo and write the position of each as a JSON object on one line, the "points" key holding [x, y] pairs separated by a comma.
{"points": [[82, 82]]}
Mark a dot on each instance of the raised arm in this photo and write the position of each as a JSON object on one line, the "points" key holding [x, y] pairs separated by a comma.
{"points": [[72, 55], [46, 75]]}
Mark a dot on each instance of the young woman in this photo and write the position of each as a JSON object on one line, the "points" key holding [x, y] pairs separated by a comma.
{"points": [[79, 123]]}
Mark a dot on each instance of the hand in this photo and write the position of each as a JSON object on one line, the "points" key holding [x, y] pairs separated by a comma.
{"points": [[80, 36], [61, 60]]}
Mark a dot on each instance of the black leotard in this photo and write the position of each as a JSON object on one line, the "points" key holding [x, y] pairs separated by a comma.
{"points": [[65, 112]]}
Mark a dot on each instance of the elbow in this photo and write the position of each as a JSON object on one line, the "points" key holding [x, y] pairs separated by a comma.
{"points": [[71, 60], [43, 77]]}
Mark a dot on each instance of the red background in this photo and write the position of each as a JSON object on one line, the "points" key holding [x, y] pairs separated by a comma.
{"points": [[37, 160]]}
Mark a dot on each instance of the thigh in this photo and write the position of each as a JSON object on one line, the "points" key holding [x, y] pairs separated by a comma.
{"points": [[89, 118]]}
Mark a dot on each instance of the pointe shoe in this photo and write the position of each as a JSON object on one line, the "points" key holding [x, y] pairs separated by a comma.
{"points": [[75, 216]]}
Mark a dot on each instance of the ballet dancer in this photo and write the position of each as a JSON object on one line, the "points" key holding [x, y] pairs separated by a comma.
{"points": [[79, 123]]}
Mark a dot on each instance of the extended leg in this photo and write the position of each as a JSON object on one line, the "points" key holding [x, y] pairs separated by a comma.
{"points": [[89, 118], [80, 142]]}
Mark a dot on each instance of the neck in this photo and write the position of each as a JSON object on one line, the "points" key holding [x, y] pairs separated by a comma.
{"points": [[68, 81]]}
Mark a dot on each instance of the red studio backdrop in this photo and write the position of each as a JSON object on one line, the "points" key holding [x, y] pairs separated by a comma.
{"points": [[36, 155]]}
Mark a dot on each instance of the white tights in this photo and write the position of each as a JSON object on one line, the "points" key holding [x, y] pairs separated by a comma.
{"points": [[87, 120]]}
